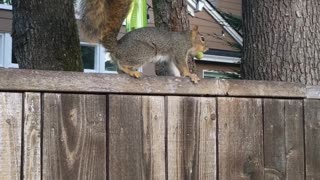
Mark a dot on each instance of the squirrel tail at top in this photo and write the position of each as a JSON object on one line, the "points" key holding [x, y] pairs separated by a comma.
{"points": [[102, 19]]}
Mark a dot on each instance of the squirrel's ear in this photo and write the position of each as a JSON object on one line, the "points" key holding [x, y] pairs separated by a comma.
{"points": [[195, 28], [194, 32]]}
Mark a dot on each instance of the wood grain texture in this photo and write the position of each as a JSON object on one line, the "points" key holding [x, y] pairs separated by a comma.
{"points": [[270, 52], [10, 135], [55, 81], [153, 116], [32, 137], [74, 136], [136, 137], [283, 139], [240, 134], [312, 138], [191, 138]]}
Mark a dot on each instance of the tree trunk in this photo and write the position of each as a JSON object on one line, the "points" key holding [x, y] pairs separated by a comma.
{"points": [[172, 15], [45, 35], [282, 40]]}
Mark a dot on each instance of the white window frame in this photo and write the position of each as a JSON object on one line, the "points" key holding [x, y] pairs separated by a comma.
{"points": [[6, 6], [100, 57], [221, 59], [96, 57], [2, 50], [6, 51]]}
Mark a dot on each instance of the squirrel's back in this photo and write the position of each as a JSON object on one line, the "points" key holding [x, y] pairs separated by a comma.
{"points": [[102, 19], [161, 38]]}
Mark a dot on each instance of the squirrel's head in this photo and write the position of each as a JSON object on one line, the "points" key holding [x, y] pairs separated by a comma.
{"points": [[198, 42]]}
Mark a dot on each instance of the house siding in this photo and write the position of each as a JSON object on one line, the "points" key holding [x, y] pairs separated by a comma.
{"points": [[212, 31], [230, 6], [5, 20], [207, 25]]}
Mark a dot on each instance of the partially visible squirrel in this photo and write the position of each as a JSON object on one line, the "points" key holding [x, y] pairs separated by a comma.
{"points": [[102, 20]]}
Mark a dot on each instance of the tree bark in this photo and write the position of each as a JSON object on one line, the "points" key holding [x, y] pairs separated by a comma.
{"points": [[172, 15], [45, 35], [282, 41]]}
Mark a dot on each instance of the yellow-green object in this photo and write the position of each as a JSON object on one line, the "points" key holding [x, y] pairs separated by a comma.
{"points": [[199, 55], [137, 16]]}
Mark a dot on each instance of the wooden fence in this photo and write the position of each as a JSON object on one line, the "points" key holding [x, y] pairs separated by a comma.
{"points": [[62, 125]]}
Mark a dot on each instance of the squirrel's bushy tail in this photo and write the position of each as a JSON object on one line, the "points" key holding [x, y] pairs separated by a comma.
{"points": [[102, 19]]}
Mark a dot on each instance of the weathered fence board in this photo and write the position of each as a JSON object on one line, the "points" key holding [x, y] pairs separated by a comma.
{"points": [[312, 138], [74, 136], [10, 135], [32, 137], [69, 125], [59, 81], [294, 140], [240, 134], [153, 116], [136, 137], [191, 138], [283, 139]]}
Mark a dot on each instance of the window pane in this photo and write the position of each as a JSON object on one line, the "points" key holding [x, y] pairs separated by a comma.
{"points": [[88, 56], [221, 75], [110, 66], [1, 50]]}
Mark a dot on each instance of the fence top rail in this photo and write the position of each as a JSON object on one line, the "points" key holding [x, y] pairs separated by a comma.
{"points": [[77, 82]]}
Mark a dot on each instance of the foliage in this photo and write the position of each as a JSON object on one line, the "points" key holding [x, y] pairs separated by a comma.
{"points": [[6, 2]]}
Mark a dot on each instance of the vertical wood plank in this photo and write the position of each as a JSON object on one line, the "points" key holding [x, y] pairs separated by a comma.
{"points": [[153, 116], [32, 136], [191, 138], [240, 134], [283, 139], [294, 140], [312, 138], [136, 137], [74, 136], [10, 135]]}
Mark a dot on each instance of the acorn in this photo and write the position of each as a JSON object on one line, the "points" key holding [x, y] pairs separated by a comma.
{"points": [[199, 55]]}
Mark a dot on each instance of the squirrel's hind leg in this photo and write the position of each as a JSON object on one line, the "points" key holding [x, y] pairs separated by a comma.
{"points": [[129, 70]]}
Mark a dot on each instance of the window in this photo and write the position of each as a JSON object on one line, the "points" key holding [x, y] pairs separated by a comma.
{"points": [[108, 65], [89, 54], [1, 50], [6, 51], [94, 56], [96, 59], [220, 75], [6, 4]]}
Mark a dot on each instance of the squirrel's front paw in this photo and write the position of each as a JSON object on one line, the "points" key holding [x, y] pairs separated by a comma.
{"points": [[194, 78], [135, 74]]}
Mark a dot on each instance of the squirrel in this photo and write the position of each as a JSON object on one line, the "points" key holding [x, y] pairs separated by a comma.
{"points": [[102, 20]]}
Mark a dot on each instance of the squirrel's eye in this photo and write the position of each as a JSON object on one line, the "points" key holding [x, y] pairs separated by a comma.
{"points": [[202, 38]]}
